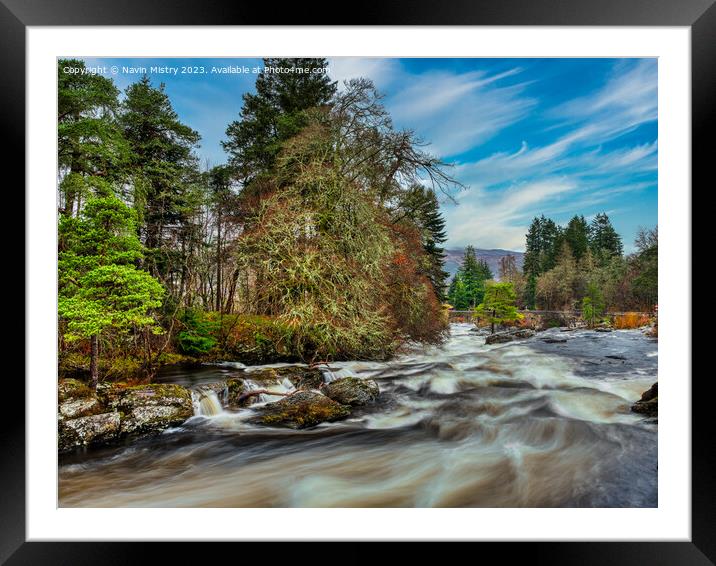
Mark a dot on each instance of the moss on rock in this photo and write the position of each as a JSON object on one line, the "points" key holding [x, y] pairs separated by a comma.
{"points": [[301, 410], [352, 391]]}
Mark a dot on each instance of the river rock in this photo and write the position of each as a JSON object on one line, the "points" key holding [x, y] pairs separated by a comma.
{"points": [[352, 391], [523, 333], [72, 389], [649, 403], [301, 410], [148, 409], [602, 329], [499, 338], [82, 407], [88, 431], [299, 376]]}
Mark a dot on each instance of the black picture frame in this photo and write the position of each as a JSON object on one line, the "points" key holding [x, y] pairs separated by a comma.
{"points": [[699, 15]]}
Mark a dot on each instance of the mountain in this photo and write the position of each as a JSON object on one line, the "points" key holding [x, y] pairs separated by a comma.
{"points": [[454, 257]]}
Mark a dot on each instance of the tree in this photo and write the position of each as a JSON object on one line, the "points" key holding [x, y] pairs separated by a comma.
{"points": [[558, 287], [508, 268], [645, 283], [592, 304], [498, 306], [277, 111], [164, 175], [420, 206], [577, 236], [472, 275], [604, 241], [100, 287], [91, 148], [457, 293]]}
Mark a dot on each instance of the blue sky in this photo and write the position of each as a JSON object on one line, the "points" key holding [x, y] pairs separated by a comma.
{"points": [[528, 136]]}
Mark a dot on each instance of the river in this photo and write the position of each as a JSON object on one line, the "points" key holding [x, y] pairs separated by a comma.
{"points": [[542, 422]]}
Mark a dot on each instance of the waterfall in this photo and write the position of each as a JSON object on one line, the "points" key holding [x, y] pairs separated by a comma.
{"points": [[206, 403]]}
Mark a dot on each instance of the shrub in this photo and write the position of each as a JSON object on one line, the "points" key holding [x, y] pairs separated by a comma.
{"points": [[630, 320], [199, 334]]}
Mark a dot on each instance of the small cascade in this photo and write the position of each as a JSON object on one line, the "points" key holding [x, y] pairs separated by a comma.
{"points": [[206, 403]]}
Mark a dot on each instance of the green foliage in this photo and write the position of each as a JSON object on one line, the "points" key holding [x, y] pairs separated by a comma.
{"points": [[199, 334], [467, 288], [592, 305], [604, 241], [275, 113], [420, 206], [91, 148], [498, 306], [100, 287], [163, 172]]}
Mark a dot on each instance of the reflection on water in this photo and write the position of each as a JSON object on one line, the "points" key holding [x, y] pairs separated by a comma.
{"points": [[528, 424]]}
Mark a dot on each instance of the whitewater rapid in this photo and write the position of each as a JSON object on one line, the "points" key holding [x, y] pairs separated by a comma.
{"points": [[542, 422]]}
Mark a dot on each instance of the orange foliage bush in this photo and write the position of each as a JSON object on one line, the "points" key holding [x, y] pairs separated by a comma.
{"points": [[630, 320]]}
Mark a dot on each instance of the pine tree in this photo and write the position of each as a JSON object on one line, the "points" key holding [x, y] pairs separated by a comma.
{"points": [[91, 148], [577, 236], [275, 113], [420, 205], [498, 306], [99, 286], [604, 241], [163, 173]]}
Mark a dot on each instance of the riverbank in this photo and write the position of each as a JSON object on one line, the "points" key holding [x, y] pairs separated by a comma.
{"points": [[534, 422]]}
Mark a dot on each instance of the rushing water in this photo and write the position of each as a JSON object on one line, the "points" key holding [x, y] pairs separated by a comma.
{"points": [[534, 423]]}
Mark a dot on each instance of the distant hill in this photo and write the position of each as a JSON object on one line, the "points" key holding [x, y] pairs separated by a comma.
{"points": [[492, 257]]}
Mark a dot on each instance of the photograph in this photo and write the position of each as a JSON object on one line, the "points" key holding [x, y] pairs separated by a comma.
{"points": [[357, 282]]}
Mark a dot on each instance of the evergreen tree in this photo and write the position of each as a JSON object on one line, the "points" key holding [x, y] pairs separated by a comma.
{"points": [[604, 241], [457, 293], [577, 236], [498, 306], [100, 288], [91, 148], [164, 174], [285, 90], [420, 205]]}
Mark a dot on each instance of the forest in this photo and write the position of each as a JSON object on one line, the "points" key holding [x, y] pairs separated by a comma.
{"points": [[567, 268], [320, 237]]}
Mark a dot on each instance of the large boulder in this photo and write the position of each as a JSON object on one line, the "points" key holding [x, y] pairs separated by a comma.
{"points": [[499, 338], [299, 376], [352, 391], [301, 410], [82, 407], [149, 409], [648, 405], [70, 389], [88, 431]]}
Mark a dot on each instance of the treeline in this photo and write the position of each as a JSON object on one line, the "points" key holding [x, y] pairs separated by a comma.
{"points": [[317, 239], [563, 265]]}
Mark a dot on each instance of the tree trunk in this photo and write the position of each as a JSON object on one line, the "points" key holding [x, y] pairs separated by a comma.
{"points": [[94, 354], [492, 325], [218, 264]]}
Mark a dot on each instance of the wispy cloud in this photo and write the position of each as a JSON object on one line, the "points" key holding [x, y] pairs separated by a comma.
{"points": [[571, 172], [456, 111]]}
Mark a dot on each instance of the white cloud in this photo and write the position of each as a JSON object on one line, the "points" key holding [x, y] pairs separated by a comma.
{"points": [[381, 71], [456, 112]]}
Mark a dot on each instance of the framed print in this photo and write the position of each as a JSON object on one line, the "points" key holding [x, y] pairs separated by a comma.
{"points": [[398, 280]]}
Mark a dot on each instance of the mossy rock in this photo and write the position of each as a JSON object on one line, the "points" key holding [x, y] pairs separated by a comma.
{"points": [[352, 391], [88, 431], [80, 407], [301, 410], [301, 377], [72, 389]]}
